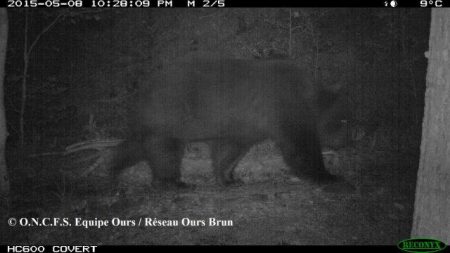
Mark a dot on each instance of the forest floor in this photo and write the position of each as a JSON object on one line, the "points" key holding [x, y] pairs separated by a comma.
{"points": [[269, 207]]}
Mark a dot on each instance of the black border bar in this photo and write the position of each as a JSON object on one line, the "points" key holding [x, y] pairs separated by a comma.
{"points": [[199, 249], [389, 4]]}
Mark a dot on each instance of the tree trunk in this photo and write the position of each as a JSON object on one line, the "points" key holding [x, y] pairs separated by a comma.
{"points": [[432, 205], [4, 182]]}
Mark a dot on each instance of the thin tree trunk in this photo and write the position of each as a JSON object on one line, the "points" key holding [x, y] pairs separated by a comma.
{"points": [[290, 34], [23, 103], [432, 205], [4, 182], [27, 50]]}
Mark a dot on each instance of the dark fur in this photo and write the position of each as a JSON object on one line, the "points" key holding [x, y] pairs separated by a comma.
{"points": [[232, 104]]}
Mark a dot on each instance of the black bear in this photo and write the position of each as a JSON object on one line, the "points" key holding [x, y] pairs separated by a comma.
{"points": [[232, 104]]}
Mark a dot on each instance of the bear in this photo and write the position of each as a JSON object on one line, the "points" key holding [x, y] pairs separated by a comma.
{"points": [[231, 104]]}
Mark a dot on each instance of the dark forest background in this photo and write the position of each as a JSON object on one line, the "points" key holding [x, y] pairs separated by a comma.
{"points": [[85, 67]]}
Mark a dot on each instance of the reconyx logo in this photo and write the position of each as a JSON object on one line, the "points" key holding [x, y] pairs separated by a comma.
{"points": [[421, 245]]}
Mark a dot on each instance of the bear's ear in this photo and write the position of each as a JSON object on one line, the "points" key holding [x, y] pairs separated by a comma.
{"points": [[329, 95], [326, 99]]}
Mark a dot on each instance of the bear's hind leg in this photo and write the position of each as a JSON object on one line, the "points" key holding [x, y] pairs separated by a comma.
{"points": [[164, 155], [226, 154]]}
